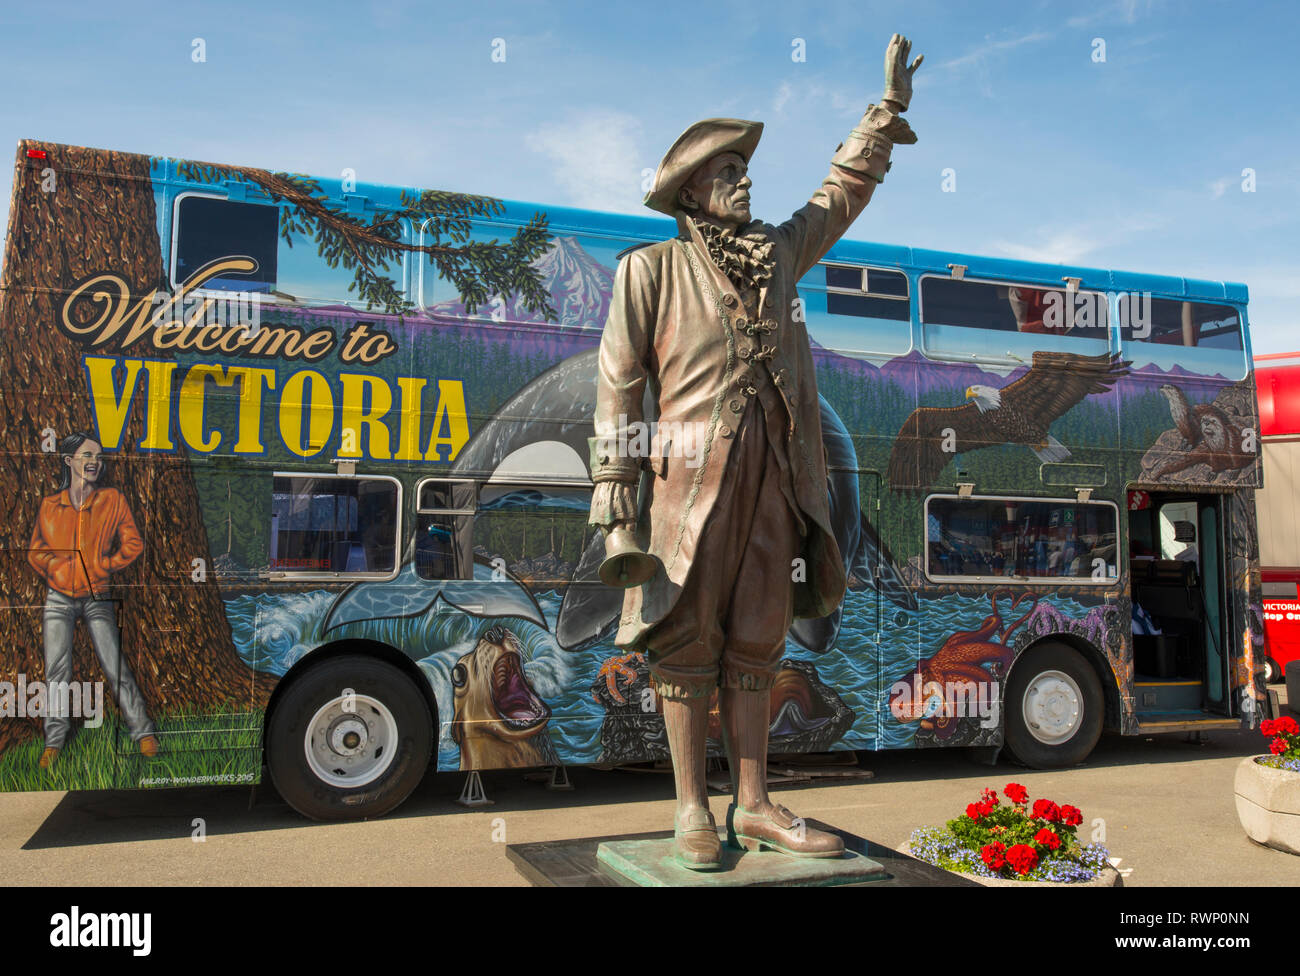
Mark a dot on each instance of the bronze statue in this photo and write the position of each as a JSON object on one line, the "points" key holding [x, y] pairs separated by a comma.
{"points": [[706, 343]]}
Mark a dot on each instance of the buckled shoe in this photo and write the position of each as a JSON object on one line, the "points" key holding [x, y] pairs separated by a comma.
{"points": [[779, 830], [696, 841]]}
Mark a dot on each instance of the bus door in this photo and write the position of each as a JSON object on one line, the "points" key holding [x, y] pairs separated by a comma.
{"points": [[1181, 644]]}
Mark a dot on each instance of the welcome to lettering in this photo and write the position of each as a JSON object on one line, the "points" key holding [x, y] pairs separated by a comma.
{"points": [[160, 318]]}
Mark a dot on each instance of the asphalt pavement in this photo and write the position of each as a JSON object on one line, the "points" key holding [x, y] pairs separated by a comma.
{"points": [[1162, 804]]}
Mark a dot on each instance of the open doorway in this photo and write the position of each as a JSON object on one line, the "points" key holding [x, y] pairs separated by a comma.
{"points": [[1180, 634]]}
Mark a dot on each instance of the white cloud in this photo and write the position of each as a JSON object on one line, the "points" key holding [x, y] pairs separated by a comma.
{"points": [[597, 158], [817, 94], [992, 47], [1070, 245]]}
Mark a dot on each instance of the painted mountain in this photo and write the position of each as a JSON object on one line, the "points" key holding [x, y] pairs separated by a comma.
{"points": [[579, 286]]}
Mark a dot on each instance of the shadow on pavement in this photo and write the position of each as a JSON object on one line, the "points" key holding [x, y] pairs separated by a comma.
{"points": [[116, 816]]}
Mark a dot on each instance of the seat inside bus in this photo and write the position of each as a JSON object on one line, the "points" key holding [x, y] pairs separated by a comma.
{"points": [[1169, 591]]}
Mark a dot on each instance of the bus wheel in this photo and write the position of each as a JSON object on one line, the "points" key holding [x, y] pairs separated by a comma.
{"points": [[350, 739], [1272, 673], [1054, 708]]}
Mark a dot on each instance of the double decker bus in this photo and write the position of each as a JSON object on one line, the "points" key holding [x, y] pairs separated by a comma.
{"points": [[295, 473]]}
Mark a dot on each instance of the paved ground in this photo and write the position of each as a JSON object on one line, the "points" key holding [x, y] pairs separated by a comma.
{"points": [[1166, 807]]}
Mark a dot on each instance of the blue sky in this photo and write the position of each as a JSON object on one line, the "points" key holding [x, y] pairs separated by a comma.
{"points": [[1134, 162]]}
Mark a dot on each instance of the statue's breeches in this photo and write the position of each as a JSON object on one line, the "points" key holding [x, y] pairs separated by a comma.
{"points": [[729, 624]]}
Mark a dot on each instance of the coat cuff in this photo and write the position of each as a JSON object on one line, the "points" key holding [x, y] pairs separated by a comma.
{"points": [[868, 147], [613, 502], [607, 464]]}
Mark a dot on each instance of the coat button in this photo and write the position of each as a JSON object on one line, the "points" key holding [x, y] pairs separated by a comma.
{"points": [[736, 405], [768, 302], [729, 300], [744, 352], [724, 430]]}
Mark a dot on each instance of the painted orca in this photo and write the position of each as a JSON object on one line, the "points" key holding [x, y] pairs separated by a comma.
{"points": [[544, 428]]}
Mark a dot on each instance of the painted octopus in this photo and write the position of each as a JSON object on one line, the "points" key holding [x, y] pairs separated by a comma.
{"points": [[956, 674]]}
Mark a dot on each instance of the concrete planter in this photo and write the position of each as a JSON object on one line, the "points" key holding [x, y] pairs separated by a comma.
{"points": [[1109, 878], [1268, 804]]}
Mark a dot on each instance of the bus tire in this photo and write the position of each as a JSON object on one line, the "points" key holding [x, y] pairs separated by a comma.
{"points": [[1054, 708], [349, 740], [1272, 672]]}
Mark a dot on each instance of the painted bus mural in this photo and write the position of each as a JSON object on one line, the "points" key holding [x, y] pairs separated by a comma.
{"points": [[295, 473]]}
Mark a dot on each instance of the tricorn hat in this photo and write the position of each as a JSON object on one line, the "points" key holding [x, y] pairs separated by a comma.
{"points": [[697, 145]]}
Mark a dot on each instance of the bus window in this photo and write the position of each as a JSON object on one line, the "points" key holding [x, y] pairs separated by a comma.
{"points": [[1198, 336], [1178, 531], [334, 525], [443, 531], [206, 228], [539, 531], [1020, 539], [958, 315], [858, 311]]}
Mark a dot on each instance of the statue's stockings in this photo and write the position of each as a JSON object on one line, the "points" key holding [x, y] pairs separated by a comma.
{"points": [[744, 728]]}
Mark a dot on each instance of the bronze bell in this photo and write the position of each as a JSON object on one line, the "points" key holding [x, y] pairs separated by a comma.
{"points": [[626, 564]]}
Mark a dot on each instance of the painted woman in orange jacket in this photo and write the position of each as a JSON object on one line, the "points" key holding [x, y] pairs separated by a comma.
{"points": [[83, 535]]}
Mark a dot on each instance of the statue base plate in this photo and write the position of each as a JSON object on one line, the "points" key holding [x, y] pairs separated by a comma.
{"points": [[578, 863], [653, 864]]}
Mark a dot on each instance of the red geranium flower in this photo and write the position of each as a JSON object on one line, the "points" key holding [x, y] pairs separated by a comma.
{"points": [[1022, 858], [993, 856], [990, 797], [1047, 838], [1268, 727], [1071, 816], [973, 811], [1277, 746], [1016, 793], [1287, 725], [1046, 810]]}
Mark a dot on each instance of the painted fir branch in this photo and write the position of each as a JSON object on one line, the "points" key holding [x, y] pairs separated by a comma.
{"points": [[368, 247]]}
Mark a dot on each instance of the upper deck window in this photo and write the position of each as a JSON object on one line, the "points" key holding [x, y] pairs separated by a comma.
{"points": [[1201, 337], [957, 316], [207, 228], [857, 310]]}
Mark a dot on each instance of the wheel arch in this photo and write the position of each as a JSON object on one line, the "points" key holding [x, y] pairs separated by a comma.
{"points": [[1111, 719], [362, 647]]}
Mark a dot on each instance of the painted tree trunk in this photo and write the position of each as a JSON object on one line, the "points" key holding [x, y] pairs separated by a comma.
{"points": [[78, 214]]}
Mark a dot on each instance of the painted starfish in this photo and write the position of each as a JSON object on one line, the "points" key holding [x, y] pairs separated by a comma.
{"points": [[615, 668]]}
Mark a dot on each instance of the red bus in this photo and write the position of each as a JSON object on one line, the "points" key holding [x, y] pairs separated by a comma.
{"points": [[1278, 379]]}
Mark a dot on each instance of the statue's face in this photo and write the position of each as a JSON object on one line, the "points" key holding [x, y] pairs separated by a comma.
{"points": [[719, 190]]}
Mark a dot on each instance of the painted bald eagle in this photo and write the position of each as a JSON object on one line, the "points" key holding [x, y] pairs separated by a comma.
{"points": [[1019, 413]]}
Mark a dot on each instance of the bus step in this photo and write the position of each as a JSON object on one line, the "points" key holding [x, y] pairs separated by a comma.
{"points": [[1184, 720], [1167, 696]]}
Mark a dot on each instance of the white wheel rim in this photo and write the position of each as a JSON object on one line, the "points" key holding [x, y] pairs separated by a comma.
{"points": [[351, 741], [1052, 707]]}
